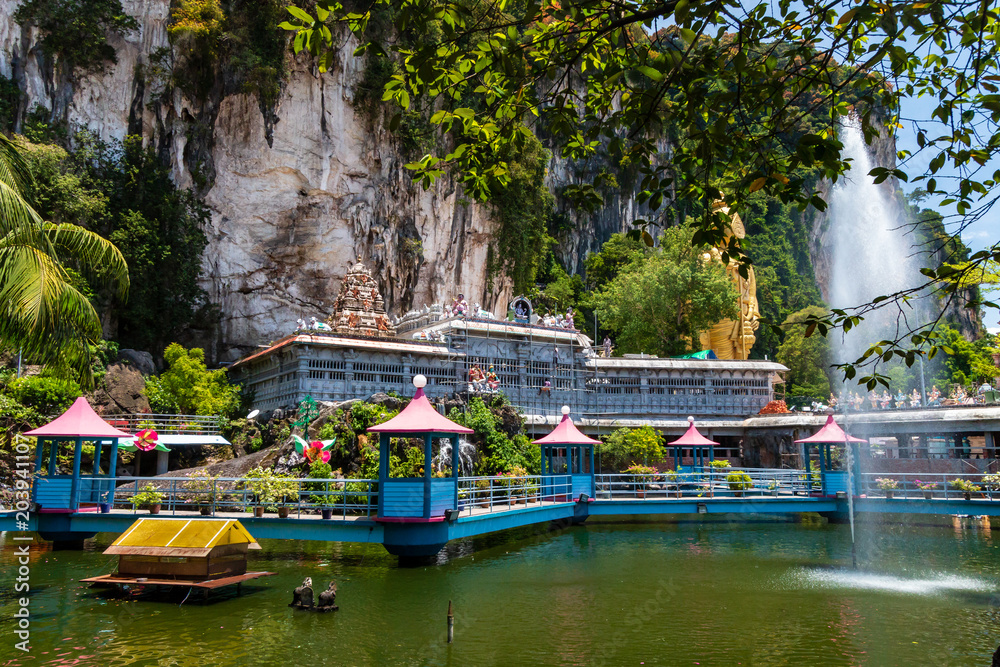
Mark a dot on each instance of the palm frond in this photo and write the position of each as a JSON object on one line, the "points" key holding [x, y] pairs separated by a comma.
{"points": [[92, 250]]}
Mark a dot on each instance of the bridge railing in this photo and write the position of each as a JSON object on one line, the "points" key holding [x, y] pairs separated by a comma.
{"points": [[706, 483], [502, 492], [225, 495], [930, 486], [166, 424]]}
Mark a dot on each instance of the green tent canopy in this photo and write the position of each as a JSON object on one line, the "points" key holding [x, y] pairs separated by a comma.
{"points": [[703, 354]]}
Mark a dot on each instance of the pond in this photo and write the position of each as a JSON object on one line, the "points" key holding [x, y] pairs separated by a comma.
{"points": [[634, 592]]}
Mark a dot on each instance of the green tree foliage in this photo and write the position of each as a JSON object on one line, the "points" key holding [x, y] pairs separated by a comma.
{"points": [[965, 362], [659, 304], [627, 446], [77, 30], [618, 252], [728, 84], [42, 311], [498, 451], [523, 206], [188, 387], [46, 394], [778, 243], [235, 38], [123, 192], [807, 357]]}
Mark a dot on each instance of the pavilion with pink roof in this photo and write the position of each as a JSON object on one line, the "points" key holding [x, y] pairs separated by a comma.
{"points": [[567, 451], [701, 447], [59, 493], [425, 499], [831, 434]]}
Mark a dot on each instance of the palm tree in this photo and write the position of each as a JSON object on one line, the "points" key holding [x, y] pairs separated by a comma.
{"points": [[41, 313]]}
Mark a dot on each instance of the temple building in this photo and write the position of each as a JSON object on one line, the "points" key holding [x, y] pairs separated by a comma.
{"points": [[538, 363]]}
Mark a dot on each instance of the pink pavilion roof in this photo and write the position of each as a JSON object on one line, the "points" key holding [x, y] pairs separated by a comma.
{"points": [[831, 433], [566, 433], [691, 438], [79, 420], [419, 417]]}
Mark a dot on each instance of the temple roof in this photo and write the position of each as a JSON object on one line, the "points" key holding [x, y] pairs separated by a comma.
{"points": [[692, 438], [566, 433], [831, 433], [419, 417], [79, 420]]}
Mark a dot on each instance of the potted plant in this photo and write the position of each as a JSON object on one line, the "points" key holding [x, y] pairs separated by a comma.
{"points": [[719, 464], [518, 491], [992, 482], [260, 483], [203, 492], [149, 498], [321, 490], [887, 485], [772, 486], [739, 482], [640, 476], [965, 486], [671, 477], [285, 491], [926, 487]]}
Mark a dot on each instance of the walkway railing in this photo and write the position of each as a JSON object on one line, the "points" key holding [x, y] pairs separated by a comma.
{"points": [[706, 483], [166, 424], [930, 486], [225, 495], [500, 493]]}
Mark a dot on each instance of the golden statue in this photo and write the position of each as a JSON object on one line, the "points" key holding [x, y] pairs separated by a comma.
{"points": [[730, 339]]}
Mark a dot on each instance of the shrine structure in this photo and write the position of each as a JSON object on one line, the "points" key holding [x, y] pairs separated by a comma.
{"points": [[359, 309]]}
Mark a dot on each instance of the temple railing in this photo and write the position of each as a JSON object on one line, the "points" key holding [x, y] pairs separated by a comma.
{"points": [[503, 492], [706, 483], [226, 495], [929, 486], [166, 424]]}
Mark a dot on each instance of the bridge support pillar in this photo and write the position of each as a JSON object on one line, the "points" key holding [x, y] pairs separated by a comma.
{"points": [[837, 517]]}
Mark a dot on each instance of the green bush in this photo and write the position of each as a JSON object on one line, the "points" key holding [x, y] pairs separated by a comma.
{"points": [[319, 470], [628, 445], [739, 480], [188, 387], [48, 395]]}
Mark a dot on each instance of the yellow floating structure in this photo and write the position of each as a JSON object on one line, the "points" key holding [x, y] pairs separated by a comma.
{"points": [[204, 553]]}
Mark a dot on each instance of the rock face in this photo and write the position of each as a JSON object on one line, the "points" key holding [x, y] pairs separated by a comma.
{"points": [[298, 195], [296, 198], [121, 391]]}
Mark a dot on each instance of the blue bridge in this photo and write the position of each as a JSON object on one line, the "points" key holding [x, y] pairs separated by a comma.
{"points": [[356, 511]]}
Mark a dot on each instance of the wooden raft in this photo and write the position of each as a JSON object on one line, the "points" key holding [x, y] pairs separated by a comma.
{"points": [[118, 580]]}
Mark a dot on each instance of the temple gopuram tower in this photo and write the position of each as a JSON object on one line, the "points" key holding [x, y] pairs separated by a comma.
{"points": [[359, 309]]}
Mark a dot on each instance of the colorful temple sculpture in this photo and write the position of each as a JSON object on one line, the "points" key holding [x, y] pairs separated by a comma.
{"points": [[733, 339], [360, 310]]}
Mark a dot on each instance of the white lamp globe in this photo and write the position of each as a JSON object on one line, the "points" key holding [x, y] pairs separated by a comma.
{"points": [[565, 409], [419, 381], [690, 420]]}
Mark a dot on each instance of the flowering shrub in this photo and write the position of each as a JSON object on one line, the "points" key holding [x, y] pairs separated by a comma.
{"points": [[886, 483], [925, 486], [992, 482], [739, 480]]}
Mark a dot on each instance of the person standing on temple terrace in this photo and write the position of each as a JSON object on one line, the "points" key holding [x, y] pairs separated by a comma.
{"points": [[607, 346]]}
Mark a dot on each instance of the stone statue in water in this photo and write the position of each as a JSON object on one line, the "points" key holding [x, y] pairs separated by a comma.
{"points": [[328, 598], [302, 597], [731, 339]]}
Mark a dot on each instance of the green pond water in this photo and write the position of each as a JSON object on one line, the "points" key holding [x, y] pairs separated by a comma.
{"points": [[623, 593]]}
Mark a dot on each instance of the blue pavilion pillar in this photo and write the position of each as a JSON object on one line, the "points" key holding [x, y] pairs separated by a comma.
{"points": [[113, 463], [97, 456], [53, 450], [383, 469], [40, 448], [456, 462], [428, 457], [75, 484]]}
